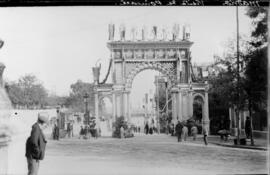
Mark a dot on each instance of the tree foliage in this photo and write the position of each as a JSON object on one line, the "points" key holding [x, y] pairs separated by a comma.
{"points": [[76, 97], [27, 91]]}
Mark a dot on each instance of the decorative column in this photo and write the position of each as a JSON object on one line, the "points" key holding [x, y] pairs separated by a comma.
{"points": [[205, 120], [128, 107], [113, 107], [190, 103], [125, 105], [96, 109], [180, 106], [174, 105]]}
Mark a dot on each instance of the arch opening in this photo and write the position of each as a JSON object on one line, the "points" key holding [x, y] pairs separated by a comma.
{"points": [[146, 94], [198, 103]]}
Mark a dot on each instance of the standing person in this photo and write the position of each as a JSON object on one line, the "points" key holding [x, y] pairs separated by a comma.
{"points": [[35, 144], [71, 129], [194, 131], [57, 130], [184, 132], [178, 130], [81, 132], [205, 134], [146, 128], [122, 132], [172, 129], [68, 130], [247, 127]]}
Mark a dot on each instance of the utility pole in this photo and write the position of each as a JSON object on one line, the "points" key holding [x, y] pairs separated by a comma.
{"points": [[238, 77]]}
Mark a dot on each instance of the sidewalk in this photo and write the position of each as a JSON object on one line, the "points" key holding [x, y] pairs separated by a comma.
{"points": [[259, 144]]}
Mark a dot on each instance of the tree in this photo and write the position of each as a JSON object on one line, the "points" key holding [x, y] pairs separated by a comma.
{"points": [[76, 100], [256, 69], [260, 32], [28, 91]]}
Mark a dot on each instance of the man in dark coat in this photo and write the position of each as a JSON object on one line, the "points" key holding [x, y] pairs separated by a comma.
{"points": [[178, 130], [247, 127], [35, 144]]}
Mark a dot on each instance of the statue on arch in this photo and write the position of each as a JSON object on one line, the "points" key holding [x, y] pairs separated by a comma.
{"points": [[175, 31], [164, 33], [134, 33], [111, 32], [154, 31], [122, 31], [144, 33]]}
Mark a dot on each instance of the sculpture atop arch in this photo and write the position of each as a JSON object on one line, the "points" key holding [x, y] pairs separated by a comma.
{"points": [[171, 58]]}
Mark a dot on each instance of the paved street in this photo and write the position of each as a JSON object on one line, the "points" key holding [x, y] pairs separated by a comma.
{"points": [[155, 154]]}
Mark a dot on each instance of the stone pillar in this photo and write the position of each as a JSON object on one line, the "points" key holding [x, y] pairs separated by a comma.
{"points": [[96, 109], [125, 105], [190, 113], [180, 106], [174, 105], [128, 108], [205, 120], [113, 106]]}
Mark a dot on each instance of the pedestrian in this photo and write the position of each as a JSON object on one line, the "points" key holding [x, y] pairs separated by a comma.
{"points": [[36, 143], [194, 131], [184, 132], [247, 127], [71, 129], [54, 132], [81, 132], [68, 130], [205, 134], [85, 132], [172, 129], [96, 131], [122, 132], [178, 130], [146, 128], [57, 130]]}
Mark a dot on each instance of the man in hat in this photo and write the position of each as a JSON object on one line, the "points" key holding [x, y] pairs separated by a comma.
{"points": [[36, 143], [178, 130]]}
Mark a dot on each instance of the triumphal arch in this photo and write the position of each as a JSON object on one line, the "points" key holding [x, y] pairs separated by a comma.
{"points": [[169, 55]]}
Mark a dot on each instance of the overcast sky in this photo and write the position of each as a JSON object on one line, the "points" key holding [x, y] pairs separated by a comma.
{"points": [[60, 44]]}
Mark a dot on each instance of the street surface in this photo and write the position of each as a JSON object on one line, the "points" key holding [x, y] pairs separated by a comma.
{"points": [[148, 154], [143, 154]]}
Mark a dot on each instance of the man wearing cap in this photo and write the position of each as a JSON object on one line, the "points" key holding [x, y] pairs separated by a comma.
{"points": [[35, 144]]}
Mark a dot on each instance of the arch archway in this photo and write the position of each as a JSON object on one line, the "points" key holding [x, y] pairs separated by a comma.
{"points": [[198, 106], [167, 70]]}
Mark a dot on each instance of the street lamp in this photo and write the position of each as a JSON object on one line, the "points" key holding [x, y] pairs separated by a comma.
{"points": [[85, 98]]}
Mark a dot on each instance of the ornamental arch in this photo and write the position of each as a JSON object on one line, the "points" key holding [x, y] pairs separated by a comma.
{"points": [[170, 57]]}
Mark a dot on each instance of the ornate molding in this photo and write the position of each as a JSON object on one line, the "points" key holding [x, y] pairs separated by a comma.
{"points": [[168, 69]]}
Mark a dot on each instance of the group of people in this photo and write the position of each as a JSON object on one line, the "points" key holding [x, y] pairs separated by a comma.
{"points": [[181, 131], [86, 131], [150, 129], [56, 131]]}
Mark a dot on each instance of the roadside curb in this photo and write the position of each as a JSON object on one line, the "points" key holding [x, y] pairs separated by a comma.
{"points": [[238, 146]]}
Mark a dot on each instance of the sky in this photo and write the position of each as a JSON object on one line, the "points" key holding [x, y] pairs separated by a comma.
{"points": [[61, 44]]}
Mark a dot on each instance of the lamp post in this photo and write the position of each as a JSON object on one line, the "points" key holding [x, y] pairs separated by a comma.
{"points": [[238, 77], [85, 98]]}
